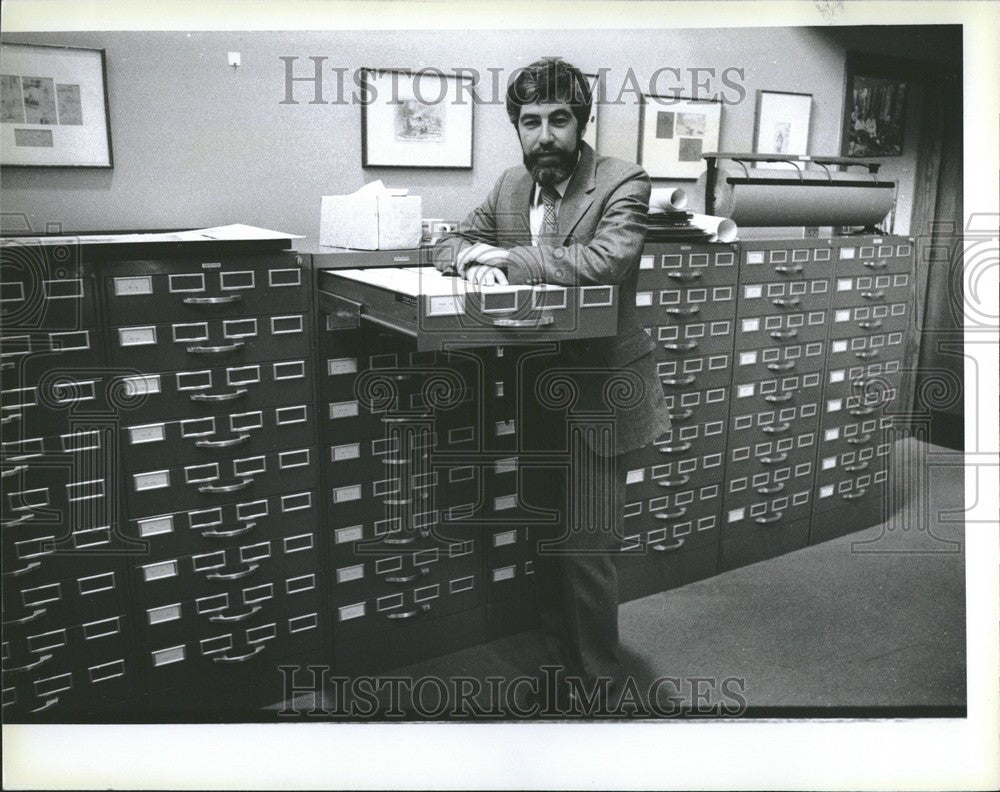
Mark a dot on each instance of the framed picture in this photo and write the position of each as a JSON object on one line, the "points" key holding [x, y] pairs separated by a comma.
{"points": [[54, 107], [415, 119], [782, 124], [673, 134], [874, 107], [590, 135]]}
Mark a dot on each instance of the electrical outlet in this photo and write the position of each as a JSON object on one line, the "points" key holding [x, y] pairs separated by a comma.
{"points": [[234, 59]]}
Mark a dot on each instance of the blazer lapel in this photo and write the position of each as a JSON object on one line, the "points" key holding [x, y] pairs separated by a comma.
{"points": [[579, 193], [517, 217]]}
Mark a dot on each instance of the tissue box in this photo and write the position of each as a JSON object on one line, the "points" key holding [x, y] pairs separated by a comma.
{"points": [[371, 219]]}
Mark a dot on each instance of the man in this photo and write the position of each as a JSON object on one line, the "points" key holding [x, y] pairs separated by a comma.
{"points": [[573, 218]]}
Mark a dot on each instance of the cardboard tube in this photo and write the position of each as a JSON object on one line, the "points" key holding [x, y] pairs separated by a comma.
{"points": [[762, 197]]}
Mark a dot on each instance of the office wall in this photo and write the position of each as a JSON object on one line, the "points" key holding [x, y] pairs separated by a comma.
{"points": [[197, 143]]}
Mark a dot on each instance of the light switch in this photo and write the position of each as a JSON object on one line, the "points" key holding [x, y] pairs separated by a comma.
{"points": [[234, 59]]}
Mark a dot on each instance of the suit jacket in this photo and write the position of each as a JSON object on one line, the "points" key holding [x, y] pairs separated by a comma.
{"points": [[601, 229]]}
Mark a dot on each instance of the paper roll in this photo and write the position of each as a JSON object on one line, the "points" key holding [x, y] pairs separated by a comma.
{"points": [[668, 199], [722, 229], [759, 197]]}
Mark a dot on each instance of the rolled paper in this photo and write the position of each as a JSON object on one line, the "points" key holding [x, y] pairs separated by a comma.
{"points": [[766, 197], [722, 229], [668, 199]]}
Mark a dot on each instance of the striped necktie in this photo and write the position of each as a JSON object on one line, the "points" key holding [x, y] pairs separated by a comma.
{"points": [[549, 197]]}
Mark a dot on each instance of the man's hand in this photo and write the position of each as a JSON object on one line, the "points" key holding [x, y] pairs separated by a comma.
{"points": [[485, 275]]}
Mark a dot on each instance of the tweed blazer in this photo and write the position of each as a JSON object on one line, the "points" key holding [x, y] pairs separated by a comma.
{"points": [[601, 229]]}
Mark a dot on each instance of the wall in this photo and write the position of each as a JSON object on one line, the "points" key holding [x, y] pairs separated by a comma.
{"points": [[197, 143]]}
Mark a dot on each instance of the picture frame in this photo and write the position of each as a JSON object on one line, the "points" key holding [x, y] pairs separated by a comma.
{"points": [[874, 116], [674, 131], [590, 134], [781, 124], [54, 107], [421, 119]]}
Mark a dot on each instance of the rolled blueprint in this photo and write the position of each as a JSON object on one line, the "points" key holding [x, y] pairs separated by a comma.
{"points": [[668, 199], [760, 197], [722, 229]]}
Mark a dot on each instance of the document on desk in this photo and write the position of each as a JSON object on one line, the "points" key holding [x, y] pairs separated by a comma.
{"points": [[235, 232]]}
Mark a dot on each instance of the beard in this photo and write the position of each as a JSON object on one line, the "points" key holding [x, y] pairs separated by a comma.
{"points": [[550, 166]]}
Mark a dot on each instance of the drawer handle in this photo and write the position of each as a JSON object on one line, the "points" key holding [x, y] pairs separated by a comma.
{"points": [[659, 547], [39, 612], [684, 311], [684, 276], [875, 264], [866, 355], [870, 325], [422, 572], [409, 614], [390, 460], [782, 427], [770, 490], [687, 346], [863, 411], [29, 666], [859, 440], [422, 534], [676, 514], [242, 658], [539, 321], [24, 570], [24, 457], [681, 416], [873, 295], [9, 419], [224, 488], [785, 396], [218, 397], [856, 468], [215, 350], [235, 441], [787, 365], [672, 381], [227, 300], [19, 521], [237, 618], [397, 501], [854, 495], [677, 482], [781, 335], [13, 471], [233, 575], [774, 460], [768, 520], [228, 534], [781, 302], [677, 449], [47, 705], [789, 270]]}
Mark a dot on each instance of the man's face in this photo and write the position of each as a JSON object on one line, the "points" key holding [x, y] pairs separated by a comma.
{"points": [[548, 134]]}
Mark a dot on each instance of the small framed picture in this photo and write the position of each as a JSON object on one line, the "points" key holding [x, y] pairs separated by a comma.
{"points": [[54, 107], [782, 124], [673, 134], [590, 134], [416, 119], [874, 106]]}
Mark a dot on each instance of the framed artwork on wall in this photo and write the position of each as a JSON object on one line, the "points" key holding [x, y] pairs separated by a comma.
{"points": [[54, 107], [416, 119], [781, 124], [674, 132], [590, 135], [874, 106]]}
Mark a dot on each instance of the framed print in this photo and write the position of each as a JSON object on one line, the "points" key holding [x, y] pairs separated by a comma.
{"points": [[874, 107], [416, 120], [782, 124], [673, 133], [54, 107], [590, 135]]}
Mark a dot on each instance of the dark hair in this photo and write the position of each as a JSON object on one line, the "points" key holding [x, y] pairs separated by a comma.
{"points": [[550, 80]]}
